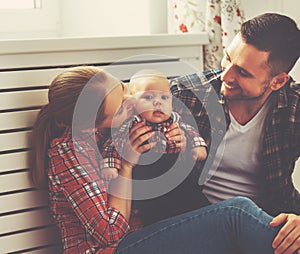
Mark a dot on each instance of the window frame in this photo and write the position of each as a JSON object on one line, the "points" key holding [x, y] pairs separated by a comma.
{"points": [[31, 23], [35, 4]]}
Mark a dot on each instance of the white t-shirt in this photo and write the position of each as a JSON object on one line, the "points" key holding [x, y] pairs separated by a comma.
{"points": [[238, 161]]}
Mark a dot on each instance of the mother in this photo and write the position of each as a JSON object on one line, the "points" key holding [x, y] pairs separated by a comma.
{"points": [[66, 161]]}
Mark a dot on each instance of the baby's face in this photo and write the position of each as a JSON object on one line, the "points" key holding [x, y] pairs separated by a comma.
{"points": [[154, 100]]}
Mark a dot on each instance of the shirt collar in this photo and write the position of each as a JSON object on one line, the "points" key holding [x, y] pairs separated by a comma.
{"points": [[282, 100], [157, 126], [281, 95]]}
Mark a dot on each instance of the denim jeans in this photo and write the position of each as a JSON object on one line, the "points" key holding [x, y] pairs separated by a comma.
{"points": [[236, 225]]}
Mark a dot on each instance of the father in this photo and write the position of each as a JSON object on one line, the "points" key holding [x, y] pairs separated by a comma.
{"points": [[261, 103]]}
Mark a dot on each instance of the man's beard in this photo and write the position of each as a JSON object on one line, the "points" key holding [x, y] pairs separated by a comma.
{"points": [[249, 98]]}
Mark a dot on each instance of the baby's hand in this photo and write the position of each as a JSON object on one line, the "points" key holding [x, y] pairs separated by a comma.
{"points": [[109, 173], [199, 153]]}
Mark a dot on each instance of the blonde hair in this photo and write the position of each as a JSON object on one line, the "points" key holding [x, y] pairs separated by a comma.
{"points": [[55, 117], [144, 74]]}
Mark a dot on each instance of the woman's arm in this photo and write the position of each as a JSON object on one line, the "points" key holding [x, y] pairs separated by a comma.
{"points": [[79, 193], [121, 187], [120, 191], [74, 173]]}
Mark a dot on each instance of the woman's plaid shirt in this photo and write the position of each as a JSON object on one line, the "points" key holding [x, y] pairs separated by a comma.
{"points": [[78, 197], [281, 142]]}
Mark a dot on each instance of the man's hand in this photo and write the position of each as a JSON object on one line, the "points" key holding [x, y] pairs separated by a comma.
{"points": [[287, 240]]}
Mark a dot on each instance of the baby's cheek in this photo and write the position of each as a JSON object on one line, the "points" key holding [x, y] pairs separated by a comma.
{"points": [[168, 108], [144, 107]]}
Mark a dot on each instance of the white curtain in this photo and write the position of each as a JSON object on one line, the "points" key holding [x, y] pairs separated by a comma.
{"points": [[221, 19]]}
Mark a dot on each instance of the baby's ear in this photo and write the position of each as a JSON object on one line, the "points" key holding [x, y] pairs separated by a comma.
{"points": [[279, 81]]}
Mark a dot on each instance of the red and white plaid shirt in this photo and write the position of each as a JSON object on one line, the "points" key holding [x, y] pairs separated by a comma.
{"points": [[79, 199]]}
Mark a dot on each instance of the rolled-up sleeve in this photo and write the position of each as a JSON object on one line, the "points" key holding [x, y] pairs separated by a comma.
{"points": [[77, 176]]}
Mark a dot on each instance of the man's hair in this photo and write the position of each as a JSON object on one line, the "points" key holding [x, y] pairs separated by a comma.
{"points": [[277, 34]]}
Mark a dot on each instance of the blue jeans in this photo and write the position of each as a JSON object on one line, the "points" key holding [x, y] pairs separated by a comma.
{"points": [[236, 225]]}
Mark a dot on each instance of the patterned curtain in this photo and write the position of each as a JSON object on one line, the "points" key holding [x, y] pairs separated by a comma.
{"points": [[221, 19]]}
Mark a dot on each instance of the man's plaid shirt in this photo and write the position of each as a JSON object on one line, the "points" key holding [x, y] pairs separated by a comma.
{"points": [[281, 141], [111, 151]]}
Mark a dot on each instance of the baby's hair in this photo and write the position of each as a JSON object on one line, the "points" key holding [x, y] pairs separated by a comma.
{"points": [[144, 74], [147, 73]]}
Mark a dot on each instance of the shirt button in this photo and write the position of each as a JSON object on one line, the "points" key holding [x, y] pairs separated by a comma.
{"points": [[221, 132]]}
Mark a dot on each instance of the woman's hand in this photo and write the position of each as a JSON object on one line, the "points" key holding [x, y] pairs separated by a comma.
{"points": [[136, 143], [288, 239], [176, 134], [121, 187]]}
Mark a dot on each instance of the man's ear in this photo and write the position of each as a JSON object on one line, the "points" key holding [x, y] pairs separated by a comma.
{"points": [[279, 81]]}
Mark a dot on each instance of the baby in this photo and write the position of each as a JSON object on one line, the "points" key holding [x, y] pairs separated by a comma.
{"points": [[153, 106]]}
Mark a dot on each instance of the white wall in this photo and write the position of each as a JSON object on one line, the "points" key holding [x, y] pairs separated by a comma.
{"points": [[79, 18], [113, 17], [125, 17], [84, 18], [30, 23]]}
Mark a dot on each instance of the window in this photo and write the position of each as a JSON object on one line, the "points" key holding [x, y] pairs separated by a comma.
{"points": [[20, 4], [28, 19], [21, 19]]}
